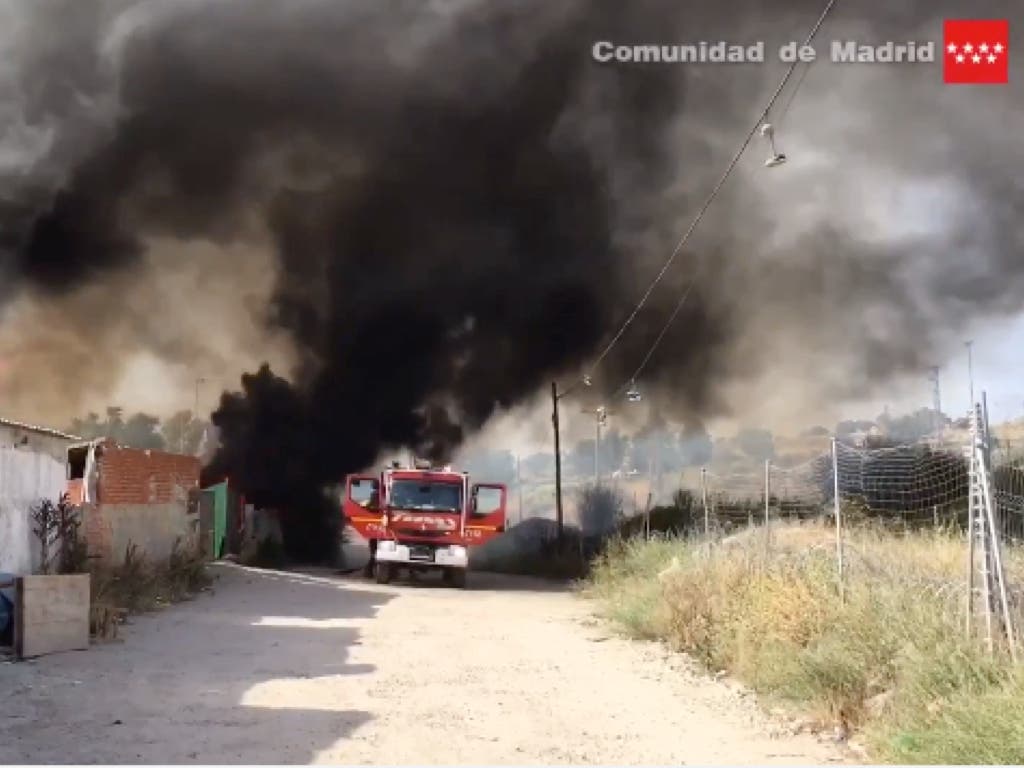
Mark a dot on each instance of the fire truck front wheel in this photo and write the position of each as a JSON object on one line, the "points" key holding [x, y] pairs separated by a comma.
{"points": [[455, 577], [382, 572]]}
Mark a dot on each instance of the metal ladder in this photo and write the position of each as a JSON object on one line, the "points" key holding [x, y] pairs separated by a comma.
{"points": [[985, 560]]}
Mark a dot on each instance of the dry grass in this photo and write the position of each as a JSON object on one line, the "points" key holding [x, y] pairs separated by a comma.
{"points": [[139, 586], [891, 657]]}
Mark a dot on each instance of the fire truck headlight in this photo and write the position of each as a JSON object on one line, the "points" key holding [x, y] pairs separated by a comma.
{"points": [[386, 546]]}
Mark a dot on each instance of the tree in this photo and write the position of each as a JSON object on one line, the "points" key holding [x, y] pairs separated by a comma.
{"points": [[914, 426], [114, 427], [89, 428], [142, 431], [183, 433]]}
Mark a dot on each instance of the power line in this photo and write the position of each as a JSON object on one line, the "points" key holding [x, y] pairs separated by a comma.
{"points": [[792, 94], [703, 209]]}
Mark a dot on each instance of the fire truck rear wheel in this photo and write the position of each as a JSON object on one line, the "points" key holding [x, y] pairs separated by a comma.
{"points": [[382, 572]]}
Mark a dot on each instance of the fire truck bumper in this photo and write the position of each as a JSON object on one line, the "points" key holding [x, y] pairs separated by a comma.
{"points": [[454, 556]]}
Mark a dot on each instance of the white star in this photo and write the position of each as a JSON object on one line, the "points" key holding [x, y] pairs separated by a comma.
{"points": [[983, 47], [951, 48], [959, 58], [976, 59], [998, 47], [968, 47], [991, 59]]}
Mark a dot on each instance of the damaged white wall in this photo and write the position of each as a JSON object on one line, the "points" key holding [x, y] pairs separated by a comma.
{"points": [[25, 477]]}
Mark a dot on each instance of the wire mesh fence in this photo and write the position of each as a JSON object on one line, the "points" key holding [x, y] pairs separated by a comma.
{"points": [[951, 488], [912, 485]]}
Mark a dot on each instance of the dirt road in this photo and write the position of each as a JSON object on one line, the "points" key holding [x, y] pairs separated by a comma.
{"points": [[292, 668]]}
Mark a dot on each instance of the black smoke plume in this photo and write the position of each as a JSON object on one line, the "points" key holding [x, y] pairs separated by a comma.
{"points": [[463, 204]]}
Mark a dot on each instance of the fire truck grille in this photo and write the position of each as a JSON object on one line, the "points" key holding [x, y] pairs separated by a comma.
{"points": [[423, 534], [422, 554]]}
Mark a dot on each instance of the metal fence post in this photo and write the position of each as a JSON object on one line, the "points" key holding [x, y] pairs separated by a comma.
{"points": [[839, 519]]}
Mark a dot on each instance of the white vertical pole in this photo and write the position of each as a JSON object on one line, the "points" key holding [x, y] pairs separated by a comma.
{"points": [[970, 371], [997, 564], [986, 462], [971, 522], [838, 515], [971, 497]]}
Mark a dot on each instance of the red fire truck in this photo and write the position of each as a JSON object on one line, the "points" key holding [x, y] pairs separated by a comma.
{"points": [[422, 518]]}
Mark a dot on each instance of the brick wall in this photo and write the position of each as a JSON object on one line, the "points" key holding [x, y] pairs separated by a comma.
{"points": [[98, 532], [132, 476], [76, 491], [110, 529], [141, 498]]}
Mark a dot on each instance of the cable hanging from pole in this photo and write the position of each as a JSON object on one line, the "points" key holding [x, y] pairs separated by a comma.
{"points": [[700, 215]]}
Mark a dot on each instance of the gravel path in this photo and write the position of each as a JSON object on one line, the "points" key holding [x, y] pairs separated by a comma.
{"points": [[302, 668]]}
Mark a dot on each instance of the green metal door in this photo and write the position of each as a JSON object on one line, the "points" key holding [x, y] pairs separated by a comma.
{"points": [[220, 517]]}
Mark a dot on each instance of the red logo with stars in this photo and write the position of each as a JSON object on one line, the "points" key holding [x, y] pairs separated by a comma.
{"points": [[976, 51]]}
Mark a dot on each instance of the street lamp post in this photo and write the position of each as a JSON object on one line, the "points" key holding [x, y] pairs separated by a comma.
{"points": [[632, 395], [555, 397], [195, 415], [200, 380]]}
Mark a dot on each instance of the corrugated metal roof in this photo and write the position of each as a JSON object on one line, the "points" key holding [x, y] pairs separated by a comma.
{"points": [[35, 428]]}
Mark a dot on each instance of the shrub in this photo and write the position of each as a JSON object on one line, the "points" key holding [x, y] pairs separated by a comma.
{"points": [[778, 623], [138, 586], [678, 518]]}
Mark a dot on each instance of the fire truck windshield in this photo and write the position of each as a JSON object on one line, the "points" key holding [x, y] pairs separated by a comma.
{"points": [[426, 496]]}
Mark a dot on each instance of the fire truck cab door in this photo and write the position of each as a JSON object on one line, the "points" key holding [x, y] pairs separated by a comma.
{"points": [[486, 518], [361, 507]]}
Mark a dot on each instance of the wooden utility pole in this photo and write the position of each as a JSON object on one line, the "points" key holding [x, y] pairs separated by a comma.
{"points": [[559, 520]]}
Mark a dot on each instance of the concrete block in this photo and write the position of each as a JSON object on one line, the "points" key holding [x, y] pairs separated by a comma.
{"points": [[51, 614]]}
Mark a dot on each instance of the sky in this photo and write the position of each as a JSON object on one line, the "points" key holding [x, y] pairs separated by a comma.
{"points": [[998, 370]]}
